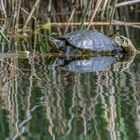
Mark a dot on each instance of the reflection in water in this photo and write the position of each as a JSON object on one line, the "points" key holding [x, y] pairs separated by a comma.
{"points": [[98, 63], [91, 64], [49, 102]]}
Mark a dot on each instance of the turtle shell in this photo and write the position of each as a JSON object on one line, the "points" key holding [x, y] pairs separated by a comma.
{"points": [[91, 40], [93, 64]]}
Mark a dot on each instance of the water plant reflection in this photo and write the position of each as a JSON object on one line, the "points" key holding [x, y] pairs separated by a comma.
{"points": [[69, 105]]}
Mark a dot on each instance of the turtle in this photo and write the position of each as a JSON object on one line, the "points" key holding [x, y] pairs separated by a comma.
{"points": [[92, 41]]}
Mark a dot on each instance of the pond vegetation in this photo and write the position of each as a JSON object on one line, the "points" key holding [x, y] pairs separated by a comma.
{"points": [[46, 96]]}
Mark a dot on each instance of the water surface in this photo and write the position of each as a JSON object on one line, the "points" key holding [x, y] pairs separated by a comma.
{"points": [[43, 101]]}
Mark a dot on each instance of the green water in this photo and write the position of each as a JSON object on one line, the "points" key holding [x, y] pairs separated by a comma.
{"points": [[48, 102]]}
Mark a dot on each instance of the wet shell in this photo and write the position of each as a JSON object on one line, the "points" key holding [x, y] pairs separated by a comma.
{"points": [[91, 40]]}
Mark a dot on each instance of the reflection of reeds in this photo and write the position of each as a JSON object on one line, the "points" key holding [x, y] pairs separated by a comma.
{"points": [[84, 105], [54, 102], [8, 84], [73, 103]]}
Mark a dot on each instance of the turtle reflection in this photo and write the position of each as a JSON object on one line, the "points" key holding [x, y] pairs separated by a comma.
{"points": [[93, 64]]}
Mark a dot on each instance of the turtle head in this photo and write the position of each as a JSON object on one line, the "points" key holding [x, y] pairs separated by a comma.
{"points": [[56, 43], [125, 43]]}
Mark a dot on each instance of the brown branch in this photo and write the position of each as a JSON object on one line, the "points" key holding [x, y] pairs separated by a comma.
{"points": [[94, 13], [31, 13], [98, 23], [76, 5], [127, 3]]}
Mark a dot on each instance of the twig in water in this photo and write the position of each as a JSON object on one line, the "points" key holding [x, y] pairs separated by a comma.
{"points": [[127, 3], [3, 8], [98, 23], [30, 15], [26, 12], [94, 13], [104, 8], [76, 5], [18, 12]]}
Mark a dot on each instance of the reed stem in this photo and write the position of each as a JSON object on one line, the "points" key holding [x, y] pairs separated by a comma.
{"points": [[76, 5], [94, 13], [30, 15]]}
